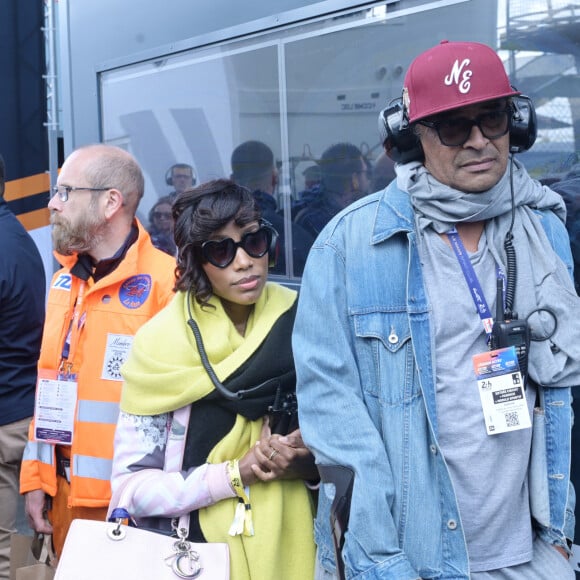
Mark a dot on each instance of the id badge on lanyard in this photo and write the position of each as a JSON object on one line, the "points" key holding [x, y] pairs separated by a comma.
{"points": [[501, 390], [54, 407], [57, 391], [499, 380]]}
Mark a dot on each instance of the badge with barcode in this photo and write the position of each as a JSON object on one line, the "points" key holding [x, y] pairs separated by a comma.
{"points": [[501, 390]]}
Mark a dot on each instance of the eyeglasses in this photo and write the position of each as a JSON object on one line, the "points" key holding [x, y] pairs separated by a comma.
{"points": [[63, 191], [161, 215], [455, 132], [221, 254]]}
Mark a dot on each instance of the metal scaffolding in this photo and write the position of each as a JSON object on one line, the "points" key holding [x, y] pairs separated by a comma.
{"points": [[51, 78], [548, 32]]}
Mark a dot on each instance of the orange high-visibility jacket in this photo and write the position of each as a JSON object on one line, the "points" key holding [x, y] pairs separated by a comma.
{"points": [[113, 309]]}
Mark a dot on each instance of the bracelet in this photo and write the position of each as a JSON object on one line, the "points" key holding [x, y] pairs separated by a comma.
{"points": [[242, 523]]}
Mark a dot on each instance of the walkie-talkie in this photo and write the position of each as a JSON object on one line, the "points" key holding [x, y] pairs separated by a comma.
{"points": [[512, 332]]}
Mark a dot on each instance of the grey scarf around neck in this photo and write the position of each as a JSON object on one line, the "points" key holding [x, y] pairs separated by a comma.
{"points": [[543, 281]]}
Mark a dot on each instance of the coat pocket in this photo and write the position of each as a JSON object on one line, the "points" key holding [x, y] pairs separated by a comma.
{"points": [[385, 353]]}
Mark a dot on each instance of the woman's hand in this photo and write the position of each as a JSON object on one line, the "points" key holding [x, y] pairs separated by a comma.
{"points": [[277, 457], [283, 457], [252, 460]]}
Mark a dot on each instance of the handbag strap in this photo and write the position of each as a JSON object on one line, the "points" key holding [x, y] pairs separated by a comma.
{"points": [[42, 549]]}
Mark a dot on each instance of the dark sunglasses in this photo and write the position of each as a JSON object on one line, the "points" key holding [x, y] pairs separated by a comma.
{"points": [[161, 215], [221, 254], [455, 132]]}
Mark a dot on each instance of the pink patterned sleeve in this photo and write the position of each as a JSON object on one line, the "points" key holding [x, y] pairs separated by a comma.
{"points": [[140, 443]]}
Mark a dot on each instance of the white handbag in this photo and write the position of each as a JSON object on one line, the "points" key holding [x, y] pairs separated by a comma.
{"points": [[107, 550], [97, 550]]}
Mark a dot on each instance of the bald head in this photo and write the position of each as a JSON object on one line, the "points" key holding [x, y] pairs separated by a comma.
{"points": [[109, 166]]}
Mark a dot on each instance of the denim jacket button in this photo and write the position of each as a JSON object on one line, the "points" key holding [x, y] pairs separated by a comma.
{"points": [[433, 449], [393, 338], [452, 524]]}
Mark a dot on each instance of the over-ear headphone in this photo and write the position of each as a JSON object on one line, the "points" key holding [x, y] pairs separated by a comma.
{"points": [[169, 173], [273, 248], [402, 144], [523, 124], [397, 136]]}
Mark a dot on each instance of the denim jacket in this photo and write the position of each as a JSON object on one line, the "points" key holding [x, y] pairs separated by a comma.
{"points": [[366, 399]]}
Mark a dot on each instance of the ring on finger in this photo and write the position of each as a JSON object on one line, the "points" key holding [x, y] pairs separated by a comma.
{"points": [[273, 454]]}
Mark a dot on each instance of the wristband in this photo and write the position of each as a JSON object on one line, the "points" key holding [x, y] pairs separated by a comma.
{"points": [[242, 523]]}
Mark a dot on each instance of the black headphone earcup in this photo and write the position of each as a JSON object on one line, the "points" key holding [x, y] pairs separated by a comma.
{"points": [[169, 176], [273, 248], [523, 124], [397, 137]]}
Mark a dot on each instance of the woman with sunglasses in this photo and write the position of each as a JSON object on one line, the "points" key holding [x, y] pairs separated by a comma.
{"points": [[223, 347], [161, 226]]}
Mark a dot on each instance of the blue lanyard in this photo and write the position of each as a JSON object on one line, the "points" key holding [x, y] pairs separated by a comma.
{"points": [[472, 281]]}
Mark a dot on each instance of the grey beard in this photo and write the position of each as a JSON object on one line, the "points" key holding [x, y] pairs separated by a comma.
{"points": [[80, 240]]}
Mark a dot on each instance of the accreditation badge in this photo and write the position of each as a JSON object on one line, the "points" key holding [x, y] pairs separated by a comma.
{"points": [[54, 407], [116, 353], [501, 390]]}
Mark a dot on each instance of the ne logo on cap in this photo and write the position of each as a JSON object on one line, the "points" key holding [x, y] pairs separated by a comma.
{"points": [[459, 76]]}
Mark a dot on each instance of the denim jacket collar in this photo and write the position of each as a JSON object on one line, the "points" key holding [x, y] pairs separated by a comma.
{"points": [[394, 214]]}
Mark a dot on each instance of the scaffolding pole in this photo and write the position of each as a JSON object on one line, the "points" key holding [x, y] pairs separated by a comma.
{"points": [[51, 123]]}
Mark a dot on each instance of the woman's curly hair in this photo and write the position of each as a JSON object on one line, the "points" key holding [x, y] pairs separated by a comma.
{"points": [[198, 213]]}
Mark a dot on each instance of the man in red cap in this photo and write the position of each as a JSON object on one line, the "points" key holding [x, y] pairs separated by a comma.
{"points": [[437, 330]]}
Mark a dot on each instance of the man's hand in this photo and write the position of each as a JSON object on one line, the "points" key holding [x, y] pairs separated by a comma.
{"points": [[35, 508], [284, 457]]}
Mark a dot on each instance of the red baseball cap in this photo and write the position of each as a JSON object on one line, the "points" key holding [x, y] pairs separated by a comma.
{"points": [[452, 75]]}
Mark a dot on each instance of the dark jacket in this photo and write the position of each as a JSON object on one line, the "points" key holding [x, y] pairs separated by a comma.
{"points": [[569, 189], [162, 241], [22, 299], [316, 208], [301, 239]]}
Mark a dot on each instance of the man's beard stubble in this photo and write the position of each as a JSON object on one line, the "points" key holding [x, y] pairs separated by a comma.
{"points": [[80, 237]]}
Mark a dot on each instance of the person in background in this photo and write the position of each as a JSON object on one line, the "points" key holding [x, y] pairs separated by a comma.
{"points": [[22, 289], [181, 177], [312, 176], [404, 377], [161, 226], [312, 187], [228, 320], [253, 167], [569, 188], [383, 172], [112, 281], [344, 179]]}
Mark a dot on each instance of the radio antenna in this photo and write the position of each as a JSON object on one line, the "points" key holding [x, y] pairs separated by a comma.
{"points": [[499, 311]]}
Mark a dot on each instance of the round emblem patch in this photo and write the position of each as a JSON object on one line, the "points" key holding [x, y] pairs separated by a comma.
{"points": [[135, 290]]}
